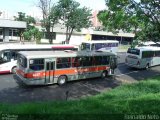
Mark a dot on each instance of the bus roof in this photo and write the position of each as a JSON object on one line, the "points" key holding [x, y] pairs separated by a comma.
{"points": [[49, 54], [146, 48], [101, 41], [32, 46]]}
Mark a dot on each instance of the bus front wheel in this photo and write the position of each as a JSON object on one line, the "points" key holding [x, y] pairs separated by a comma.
{"points": [[14, 69], [62, 80]]}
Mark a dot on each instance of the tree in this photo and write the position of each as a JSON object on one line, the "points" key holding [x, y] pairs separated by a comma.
{"points": [[31, 31], [21, 17], [128, 15], [72, 16], [48, 19]]}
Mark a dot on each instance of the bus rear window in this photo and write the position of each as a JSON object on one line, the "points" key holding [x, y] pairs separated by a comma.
{"points": [[133, 51], [22, 61]]}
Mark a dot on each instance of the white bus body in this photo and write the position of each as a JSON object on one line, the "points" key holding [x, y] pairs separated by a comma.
{"points": [[8, 53], [143, 57], [102, 45]]}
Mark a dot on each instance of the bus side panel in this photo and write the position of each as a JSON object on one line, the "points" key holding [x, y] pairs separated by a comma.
{"points": [[6, 67], [146, 61], [156, 60], [38, 78]]}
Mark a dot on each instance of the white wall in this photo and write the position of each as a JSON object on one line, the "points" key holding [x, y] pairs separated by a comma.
{"points": [[75, 39]]}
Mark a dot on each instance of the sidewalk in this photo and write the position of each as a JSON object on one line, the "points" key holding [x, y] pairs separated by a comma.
{"points": [[122, 50]]}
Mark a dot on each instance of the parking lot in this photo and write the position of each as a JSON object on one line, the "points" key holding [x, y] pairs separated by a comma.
{"points": [[11, 92]]}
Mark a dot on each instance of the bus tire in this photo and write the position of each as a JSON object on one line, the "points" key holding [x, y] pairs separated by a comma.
{"points": [[147, 66], [62, 80], [14, 70], [104, 74]]}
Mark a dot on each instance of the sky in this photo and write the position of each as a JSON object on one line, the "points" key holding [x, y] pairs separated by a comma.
{"points": [[29, 6]]}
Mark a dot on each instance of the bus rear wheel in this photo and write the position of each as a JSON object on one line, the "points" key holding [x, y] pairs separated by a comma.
{"points": [[14, 69], [62, 80], [104, 74], [147, 66]]}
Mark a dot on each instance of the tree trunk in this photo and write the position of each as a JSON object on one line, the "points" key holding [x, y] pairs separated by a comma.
{"points": [[69, 37], [49, 34], [67, 31]]}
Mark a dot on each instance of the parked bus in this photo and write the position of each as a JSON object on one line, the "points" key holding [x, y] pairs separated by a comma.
{"points": [[143, 57], [41, 67], [8, 54], [104, 45]]}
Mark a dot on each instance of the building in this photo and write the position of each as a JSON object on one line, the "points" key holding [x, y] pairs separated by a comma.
{"points": [[9, 29], [59, 35], [95, 21]]}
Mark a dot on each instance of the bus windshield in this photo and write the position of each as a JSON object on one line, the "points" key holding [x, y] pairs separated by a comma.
{"points": [[133, 51], [85, 46], [22, 61]]}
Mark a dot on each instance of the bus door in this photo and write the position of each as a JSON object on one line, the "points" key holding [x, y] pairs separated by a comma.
{"points": [[113, 63], [49, 70]]}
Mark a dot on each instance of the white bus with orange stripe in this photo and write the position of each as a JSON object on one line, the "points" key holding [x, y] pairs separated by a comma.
{"points": [[8, 53], [41, 67]]}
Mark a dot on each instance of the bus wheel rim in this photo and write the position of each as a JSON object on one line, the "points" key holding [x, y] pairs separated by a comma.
{"points": [[62, 80], [14, 70], [103, 74]]}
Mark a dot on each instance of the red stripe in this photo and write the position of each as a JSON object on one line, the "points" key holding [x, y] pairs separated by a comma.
{"points": [[3, 72]]}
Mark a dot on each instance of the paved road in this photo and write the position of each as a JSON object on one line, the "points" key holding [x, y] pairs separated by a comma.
{"points": [[11, 92]]}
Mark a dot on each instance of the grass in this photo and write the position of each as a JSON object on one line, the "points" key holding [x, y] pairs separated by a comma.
{"points": [[137, 98]]}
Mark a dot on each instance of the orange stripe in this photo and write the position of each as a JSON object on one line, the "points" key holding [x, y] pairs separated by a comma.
{"points": [[20, 72], [71, 71]]}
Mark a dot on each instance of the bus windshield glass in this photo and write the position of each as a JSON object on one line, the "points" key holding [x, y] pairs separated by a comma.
{"points": [[133, 51], [85, 46], [22, 61]]}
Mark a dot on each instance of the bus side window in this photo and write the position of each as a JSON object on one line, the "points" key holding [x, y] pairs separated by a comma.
{"points": [[14, 55], [98, 60], [36, 64], [157, 53], [75, 62], [93, 47], [105, 60], [63, 63], [147, 54], [86, 61], [93, 61], [7, 56]]}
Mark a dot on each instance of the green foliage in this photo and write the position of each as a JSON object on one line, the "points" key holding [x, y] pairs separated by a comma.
{"points": [[141, 18], [34, 34], [50, 16], [73, 17], [21, 16], [27, 35], [31, 31]]}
